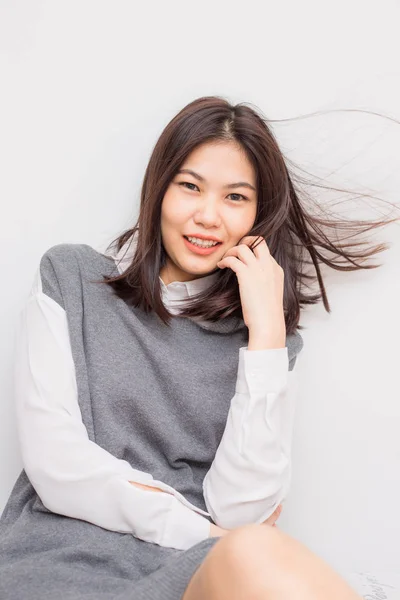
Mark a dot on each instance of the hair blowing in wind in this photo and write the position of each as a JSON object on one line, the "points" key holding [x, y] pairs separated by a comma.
{"points": [[301, 233]]}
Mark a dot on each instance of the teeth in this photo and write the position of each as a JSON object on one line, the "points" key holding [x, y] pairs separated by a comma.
{"points": [[203, 243]]}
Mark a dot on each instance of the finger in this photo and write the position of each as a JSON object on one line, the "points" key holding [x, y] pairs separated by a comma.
{"points": [[261, 250], [275, 515], [146, 487], [242, 252], [260, 244], [272, 518], [233, 263]]}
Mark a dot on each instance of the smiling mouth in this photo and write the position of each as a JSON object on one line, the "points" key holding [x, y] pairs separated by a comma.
{"points": [[201, 250], [213, 245]]}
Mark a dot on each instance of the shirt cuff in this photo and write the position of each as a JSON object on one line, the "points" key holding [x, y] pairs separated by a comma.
{"points": [[262, 370], [184, 527]]}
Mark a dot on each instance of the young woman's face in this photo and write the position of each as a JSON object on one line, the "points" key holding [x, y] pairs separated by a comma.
{"points": [[206, 207]]}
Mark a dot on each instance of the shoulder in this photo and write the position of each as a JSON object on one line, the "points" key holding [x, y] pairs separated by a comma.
{"points": [[66, 256], [64, 253], [63, 267]]}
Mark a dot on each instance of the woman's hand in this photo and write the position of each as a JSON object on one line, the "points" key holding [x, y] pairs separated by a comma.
{"points": [[148, 487], [261, 282], [216, 530], [274, 517]]}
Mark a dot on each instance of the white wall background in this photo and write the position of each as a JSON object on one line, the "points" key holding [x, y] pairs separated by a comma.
{"points": [[87, 87]]}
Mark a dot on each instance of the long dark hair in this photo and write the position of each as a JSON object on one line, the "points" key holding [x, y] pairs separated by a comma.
{"points": [[295, 236]]}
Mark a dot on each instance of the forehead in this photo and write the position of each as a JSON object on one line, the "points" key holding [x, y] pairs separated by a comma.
{"points": [[223, 161]]}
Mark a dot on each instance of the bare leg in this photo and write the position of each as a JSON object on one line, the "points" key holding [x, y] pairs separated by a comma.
{"points": [[260, 562]]}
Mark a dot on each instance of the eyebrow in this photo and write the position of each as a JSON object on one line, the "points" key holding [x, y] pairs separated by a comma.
{"points": [[229, 185]]}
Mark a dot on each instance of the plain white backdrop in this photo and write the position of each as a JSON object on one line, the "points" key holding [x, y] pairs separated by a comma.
{"points": [[87, 87]]}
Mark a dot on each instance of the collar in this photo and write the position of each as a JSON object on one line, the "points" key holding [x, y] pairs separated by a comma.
{"points": [[228, 325], [124, 257]]}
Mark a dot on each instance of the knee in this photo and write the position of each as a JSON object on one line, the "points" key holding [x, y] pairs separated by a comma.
{"points": [[252, 546], [244, 563]]}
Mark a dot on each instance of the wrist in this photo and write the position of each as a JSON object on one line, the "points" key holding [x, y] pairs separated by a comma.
{"points": [[266, 341]]}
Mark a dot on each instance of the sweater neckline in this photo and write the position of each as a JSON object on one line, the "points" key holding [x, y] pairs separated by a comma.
{"points": [[123, 258]]}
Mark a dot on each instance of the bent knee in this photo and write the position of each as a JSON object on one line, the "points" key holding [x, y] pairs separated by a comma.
{"points": [[251, 543], [231, 568]]}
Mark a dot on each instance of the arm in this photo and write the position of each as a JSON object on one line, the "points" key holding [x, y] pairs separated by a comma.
{"points": [[250, 474], [72, 475]]}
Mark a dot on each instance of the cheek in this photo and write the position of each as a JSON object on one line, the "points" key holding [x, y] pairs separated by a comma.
{"points": [[241, 224], [174, 211]]}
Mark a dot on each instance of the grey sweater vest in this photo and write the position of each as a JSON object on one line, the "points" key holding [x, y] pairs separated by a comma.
{"points": [[153, 395]]}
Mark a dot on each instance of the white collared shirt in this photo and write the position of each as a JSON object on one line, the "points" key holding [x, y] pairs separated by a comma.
{"points": [[262, 411], [174, 291]]}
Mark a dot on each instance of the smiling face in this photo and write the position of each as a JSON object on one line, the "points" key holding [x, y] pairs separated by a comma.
{"points": [[207, 204]]}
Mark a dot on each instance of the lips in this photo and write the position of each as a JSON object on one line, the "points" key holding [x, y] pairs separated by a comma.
{"points": [[200, 250], [204, 240], [203, 237]]}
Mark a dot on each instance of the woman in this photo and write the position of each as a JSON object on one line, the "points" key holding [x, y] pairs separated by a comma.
{"points": [[155, 385]]}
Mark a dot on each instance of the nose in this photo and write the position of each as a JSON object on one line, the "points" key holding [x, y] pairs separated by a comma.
{"points": [[207, 212]]}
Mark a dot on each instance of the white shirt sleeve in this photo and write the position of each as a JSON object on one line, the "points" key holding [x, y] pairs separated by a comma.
{"points": [[250, 474], [72, 475]]}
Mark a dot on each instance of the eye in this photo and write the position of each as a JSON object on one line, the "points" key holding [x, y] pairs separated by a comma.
{"points": [[184, 183], [241, 195], [187, 183]]}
